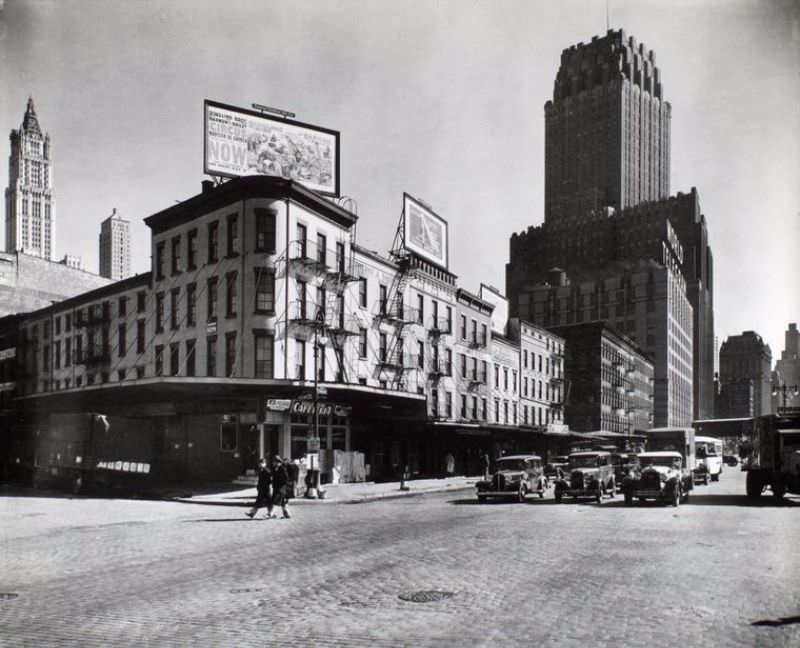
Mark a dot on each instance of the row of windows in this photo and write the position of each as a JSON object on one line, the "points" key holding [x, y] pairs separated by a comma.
{"points": [[264, 241]]}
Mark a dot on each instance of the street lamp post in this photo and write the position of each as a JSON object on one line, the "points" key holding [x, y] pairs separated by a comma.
{"points": [[313, 490]]}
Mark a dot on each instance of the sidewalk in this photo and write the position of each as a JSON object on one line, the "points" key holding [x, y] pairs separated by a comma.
{"points": [[350, 493]]}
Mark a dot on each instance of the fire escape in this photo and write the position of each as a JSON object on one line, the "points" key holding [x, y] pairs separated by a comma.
{"points": [[326, 274], [96, 355], [392, 360], [439, 367]]}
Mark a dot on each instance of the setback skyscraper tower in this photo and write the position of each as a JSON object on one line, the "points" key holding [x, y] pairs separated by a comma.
{"points": [[115, 247], [634, 256]]}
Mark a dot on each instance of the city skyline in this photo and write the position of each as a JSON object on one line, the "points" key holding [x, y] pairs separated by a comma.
{"points": [[460, 123]]}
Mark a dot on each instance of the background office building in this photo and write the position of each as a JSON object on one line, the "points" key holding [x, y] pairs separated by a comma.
{"points": [[115, 247], [607, 210], [30, 201]]}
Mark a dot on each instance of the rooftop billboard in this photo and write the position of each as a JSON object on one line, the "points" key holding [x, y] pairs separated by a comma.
{"points": [[239, 142], [424, 232]]}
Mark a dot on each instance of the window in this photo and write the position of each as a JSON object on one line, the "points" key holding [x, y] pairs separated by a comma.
{"points": [[176, 255], [141, 298], [265, 290], [159, 360], [120, 375], [383, 299], [46, 358], [122, 307], [421, 355], [420, 309], [231, 295], [382, 347], [302, 240], [362, 292], [322, 251], [300, 367], [496, 410], [57, 354], [191, 304], [340, 257], [448, 404], [435, 313], [505, 378], [474, 369], [174, 308], [474, 332], [302, 296], [160, 260], [212, 298], [68, 322], [463, 406], [190, 358], [140, 335], [67, 352], [362, 343], [525, 358], [319, 312], [191, 249], [449, 319], [174, 358], [321, 363], [213, 242], [463, 365], [159, 312], [264, 345], [121, 342], [265, 230], [484, 335], [514, 381], [340, 311], [463, 327], [233, 235], [211, 355], [484, 410], [474, 408], [449, 359], [230, 354], [435, 403]]}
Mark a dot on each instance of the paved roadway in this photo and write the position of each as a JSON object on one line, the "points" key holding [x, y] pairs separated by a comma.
{"points": [[90, 572]]}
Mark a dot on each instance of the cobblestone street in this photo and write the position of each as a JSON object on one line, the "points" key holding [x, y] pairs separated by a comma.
{"points": [[714, 572]]}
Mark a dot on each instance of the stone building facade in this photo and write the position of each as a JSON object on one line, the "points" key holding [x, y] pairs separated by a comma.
{"points": [[745, 365]]}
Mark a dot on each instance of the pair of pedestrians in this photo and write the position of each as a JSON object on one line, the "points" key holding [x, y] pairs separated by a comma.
{"points": [[272, 489]]}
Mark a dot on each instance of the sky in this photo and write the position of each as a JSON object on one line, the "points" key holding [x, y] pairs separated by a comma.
{"points": [[443, 99]]}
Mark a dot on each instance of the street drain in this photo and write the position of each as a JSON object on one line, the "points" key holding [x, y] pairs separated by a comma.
{"points": [[426, 596], [7, 596], [245, 590]]}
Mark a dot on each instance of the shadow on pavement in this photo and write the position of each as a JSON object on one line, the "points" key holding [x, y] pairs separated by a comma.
{"points": [[530, 501], [241, 519], [777, 622], [712, 500]]}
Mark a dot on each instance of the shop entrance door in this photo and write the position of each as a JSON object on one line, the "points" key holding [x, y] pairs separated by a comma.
{"points": [[271, 436], [248, 448]]}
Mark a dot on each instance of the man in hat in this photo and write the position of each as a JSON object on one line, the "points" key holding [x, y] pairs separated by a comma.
{"points": [[262, 490], [280, 486]]}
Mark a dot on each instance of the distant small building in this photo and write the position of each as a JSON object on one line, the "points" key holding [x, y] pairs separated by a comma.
{"points": [[72, 261], [115, 247], [745, 364]]}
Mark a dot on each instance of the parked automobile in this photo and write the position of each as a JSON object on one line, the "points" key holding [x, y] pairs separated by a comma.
{"points": [[730, 460], [661, 478], [556, 468], [624, 463], [514, 476], [589, 474]]}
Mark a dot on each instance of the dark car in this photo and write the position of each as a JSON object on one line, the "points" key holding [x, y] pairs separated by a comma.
{"points": [[588, 474], [514, 477], [625, 463], [730, 460]]}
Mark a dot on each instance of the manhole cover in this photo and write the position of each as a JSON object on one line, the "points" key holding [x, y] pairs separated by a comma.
{"points": [[5, 596], [425, 596]]}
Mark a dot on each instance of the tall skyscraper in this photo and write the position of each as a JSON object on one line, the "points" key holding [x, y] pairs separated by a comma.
{"points": [[745, 362], [607, 129], [115, 247], [787, 371], [607, 208], [30, 203]]}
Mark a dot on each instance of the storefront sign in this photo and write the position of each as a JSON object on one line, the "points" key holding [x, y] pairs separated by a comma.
{"points": [[323, 409], [278, 404], [313, 444]]}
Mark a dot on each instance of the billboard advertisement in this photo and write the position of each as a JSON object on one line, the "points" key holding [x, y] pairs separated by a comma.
{"points": [[239, 142], [424, 232]]}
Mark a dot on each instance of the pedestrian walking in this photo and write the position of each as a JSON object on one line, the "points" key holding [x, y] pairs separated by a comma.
{"points": [[263, 494], [487, 472], [294, 476], [280, 486]]}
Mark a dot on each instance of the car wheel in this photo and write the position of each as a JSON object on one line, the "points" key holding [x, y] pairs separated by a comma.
{"points": [[676, 495], [542, 489], [715, 477], [598, 494], [521, 493]]}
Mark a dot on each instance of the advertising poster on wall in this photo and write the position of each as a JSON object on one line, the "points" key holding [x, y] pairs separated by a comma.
{"points": [[424, 232], [239, 142]]}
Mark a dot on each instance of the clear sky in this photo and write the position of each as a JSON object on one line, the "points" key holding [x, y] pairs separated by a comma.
{"points": [[440, 98]]}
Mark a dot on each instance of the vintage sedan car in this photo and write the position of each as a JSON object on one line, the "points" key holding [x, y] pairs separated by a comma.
{"points": [[556, 468], [661, 478], [514, 476], [624, 463], [588, 474]]}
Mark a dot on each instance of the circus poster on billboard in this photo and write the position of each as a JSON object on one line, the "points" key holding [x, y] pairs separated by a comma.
{"points": [[424, 232], [241, 142]]}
